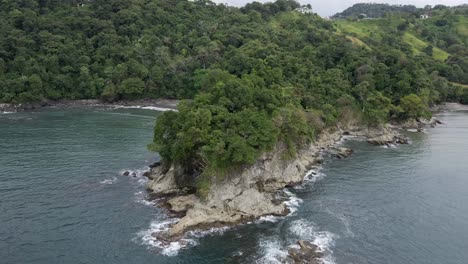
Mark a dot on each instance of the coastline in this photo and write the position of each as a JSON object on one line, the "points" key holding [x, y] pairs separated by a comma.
{"points": [[255, 192], [259, 192], [154, 104]]}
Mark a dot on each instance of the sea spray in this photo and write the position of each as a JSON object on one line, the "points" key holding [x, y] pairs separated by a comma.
{"points": [[271, 251], [306, 230]]}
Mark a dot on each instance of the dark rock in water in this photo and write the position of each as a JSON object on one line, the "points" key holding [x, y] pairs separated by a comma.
{"points": [[156, 164], [306, 253], [147, 173], [134, 174], [346, 133], [401, 140], [126, 173]]}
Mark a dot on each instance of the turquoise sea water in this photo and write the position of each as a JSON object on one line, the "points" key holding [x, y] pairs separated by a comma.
{"points": [[63, 199]]}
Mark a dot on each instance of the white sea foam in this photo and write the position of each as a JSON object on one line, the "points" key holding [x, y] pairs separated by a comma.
{"points": [[137, 174], [203, 233], [314, 175], [325, 240], [146, 237], [109, 181], [155, 108], [171, 249], [272, 252], [293, 202], [141, 197], [268, 218]]}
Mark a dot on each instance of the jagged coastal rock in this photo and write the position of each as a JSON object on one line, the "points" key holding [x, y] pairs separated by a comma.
{"points": [[250, 192], [341, 153], [305, 252], [420, 123]]}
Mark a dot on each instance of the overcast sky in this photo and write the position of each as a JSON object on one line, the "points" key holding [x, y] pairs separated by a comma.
{"points": [[330, 7]]}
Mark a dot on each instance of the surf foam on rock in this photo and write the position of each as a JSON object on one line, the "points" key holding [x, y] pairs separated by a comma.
{"points": [[138, 174], [147, 237], [293, 203], [272, 251], [305, 230]]}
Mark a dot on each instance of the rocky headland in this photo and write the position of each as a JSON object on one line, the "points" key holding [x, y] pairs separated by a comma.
{"points": [[252, 191]]}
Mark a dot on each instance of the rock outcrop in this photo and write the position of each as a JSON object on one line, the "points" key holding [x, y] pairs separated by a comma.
{"points": [[249, 192], [341, 153], [305, 252], [242, 195], [420, 123]]}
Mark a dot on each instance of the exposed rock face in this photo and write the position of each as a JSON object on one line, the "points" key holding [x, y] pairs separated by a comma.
{"points": [[387, 137], [163, 182], [243, 195], [250, 192], [305, 253], [181, 204], [419, 123]]}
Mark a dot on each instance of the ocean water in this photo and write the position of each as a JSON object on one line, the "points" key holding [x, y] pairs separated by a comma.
{"points": [[63, 198]]}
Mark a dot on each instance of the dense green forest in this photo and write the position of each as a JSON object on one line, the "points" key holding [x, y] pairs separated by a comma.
{"points": [[257, 75]]}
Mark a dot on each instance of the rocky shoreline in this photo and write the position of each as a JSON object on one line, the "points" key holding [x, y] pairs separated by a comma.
{"points": [[253, 191], [157, 104], [256, 191]]}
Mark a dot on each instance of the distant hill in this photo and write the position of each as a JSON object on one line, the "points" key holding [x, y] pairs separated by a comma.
{"points": [[376, 10]]}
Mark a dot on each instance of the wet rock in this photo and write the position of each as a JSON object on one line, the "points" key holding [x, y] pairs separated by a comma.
{"points": [[400, 139], [134, 174], [305, 253], [126, 173], [389, 138], [156, 164], [341, 153], [433, 122]]}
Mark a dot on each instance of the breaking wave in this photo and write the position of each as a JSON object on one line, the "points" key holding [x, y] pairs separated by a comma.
{"points": [[272, 251], [146, 237], [109, 181], [325, 240], [155, 108]]}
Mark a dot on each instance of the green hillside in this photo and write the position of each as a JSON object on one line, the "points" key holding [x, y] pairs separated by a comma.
{"points": [[376, 29], [255, 76]]}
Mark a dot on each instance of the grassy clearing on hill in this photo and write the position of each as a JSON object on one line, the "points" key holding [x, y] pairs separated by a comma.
{"points": [[358, 42], [419, 45], [375, 28]]}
